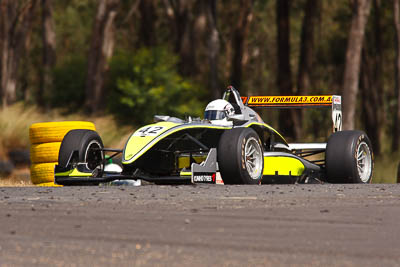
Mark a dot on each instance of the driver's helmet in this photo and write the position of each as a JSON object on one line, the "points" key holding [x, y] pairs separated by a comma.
{"points": [[217, 111]]}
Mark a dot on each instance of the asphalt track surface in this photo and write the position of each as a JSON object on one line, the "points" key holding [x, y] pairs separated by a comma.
{"points": [[210, 225]]}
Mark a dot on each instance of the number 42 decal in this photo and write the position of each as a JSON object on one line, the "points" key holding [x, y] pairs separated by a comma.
{"points": [[149, 131]]}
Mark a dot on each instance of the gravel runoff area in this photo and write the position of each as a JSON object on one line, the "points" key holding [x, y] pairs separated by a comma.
{"points": [[201, 225]]}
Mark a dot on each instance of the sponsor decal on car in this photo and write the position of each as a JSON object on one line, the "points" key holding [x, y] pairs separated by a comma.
{"points": [[291, 100], [204, 177], [337, 100]]}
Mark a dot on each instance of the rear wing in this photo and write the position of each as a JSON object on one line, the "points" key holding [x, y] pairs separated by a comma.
{"points": [[320, 101]]}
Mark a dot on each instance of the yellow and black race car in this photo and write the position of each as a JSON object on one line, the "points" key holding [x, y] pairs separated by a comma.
{"points": [[231, 143]]}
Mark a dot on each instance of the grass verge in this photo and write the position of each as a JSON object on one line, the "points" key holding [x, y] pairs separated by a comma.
{"points": [[16, 119], [385, 169], [19, 177]]}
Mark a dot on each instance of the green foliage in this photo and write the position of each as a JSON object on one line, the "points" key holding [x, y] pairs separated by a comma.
{"points": [[69, 84], [147, 84], [73, 21]]}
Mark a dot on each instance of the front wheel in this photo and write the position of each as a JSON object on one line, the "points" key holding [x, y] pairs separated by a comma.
{"points": [[349, 158], [82, 146], [240, 157]]}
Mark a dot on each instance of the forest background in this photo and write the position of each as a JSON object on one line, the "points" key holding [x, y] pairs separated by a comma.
{"points": [[132, 59]]}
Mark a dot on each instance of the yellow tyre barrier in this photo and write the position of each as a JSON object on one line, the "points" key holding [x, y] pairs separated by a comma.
{"points": [[46, 152], [45, 138], [49, 185], [42, 173], [46, 132]]}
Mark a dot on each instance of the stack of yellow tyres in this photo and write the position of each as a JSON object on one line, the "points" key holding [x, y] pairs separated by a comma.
{"points": [[45, 138]]}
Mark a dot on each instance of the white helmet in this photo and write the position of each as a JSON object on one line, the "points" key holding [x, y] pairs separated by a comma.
{"points": [[217, 111]]}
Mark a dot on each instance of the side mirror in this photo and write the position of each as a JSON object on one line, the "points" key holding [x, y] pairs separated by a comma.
{"points": [[236, 118], [159, 118]]}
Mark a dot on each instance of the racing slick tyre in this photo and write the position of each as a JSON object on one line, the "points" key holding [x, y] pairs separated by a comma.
{"points": [[349, 158], [84, 146], [240, 157], [45, 152], [42, 172], [46, 132]]}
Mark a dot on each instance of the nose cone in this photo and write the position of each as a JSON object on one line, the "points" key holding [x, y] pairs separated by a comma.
{"points": [[143, 139]]}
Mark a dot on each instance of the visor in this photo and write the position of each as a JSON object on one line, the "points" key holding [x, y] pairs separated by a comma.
{"points": [[214, 115]]}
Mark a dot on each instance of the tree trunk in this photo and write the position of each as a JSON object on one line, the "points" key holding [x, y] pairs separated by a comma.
{"points": [[239, 43], [213, 49], [371, 81], [15, 23], [195, 23], [148, 17], [396, 126], [23, 81], [310, 19], [49, 53], [180, 13], [287, 118], [359, 19], [101, 50], [369, 94]]}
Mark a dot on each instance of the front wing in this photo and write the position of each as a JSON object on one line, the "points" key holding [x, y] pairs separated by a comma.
{"points": [[206, 172]]}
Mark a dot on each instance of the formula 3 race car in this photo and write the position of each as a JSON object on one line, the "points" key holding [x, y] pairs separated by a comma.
{"points": [[232, 142]]}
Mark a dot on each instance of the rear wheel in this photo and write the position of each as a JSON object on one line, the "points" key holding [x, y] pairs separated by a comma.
{"points": [[349, 158], [240, 157], [83, 146]]}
